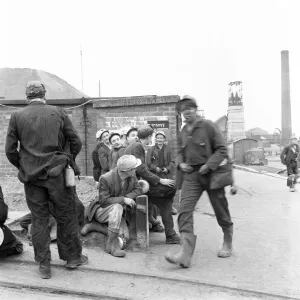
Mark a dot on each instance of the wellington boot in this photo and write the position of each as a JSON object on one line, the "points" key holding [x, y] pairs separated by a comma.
{"points": [[226, 250], [183, 258], [45, 269], [113, 245]]}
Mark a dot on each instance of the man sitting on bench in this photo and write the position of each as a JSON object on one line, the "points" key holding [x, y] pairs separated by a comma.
{"points": [[117, 189]]}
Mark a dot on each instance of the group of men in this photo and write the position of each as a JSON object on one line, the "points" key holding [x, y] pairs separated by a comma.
{"points": [[42, 141]]}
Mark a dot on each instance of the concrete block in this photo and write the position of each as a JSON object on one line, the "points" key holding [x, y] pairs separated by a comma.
{"points": [[142, 223]]}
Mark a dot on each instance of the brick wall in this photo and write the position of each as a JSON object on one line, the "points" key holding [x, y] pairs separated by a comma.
{"points": [[111, 113]]}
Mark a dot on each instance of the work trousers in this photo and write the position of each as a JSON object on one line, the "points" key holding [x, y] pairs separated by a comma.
{"points": [[38, 194], [194, 185], [26, 220], [165, 208], [112, 215], [292, 172], [10, 244]]}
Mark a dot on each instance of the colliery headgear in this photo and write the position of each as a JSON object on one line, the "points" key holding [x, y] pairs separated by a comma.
{"points": [[113, 134], [35, 89], [100, 133], [128, 162], [187, 102], [144, 131]]}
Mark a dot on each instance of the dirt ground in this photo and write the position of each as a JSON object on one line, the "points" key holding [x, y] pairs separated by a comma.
{"points": [[14, 197]]}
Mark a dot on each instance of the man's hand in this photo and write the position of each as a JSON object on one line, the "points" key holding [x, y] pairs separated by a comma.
{"points": [[167, 182], [204, 170], [158, 170], [129, 202], [165, 170], [186, 167], [97, 184]]}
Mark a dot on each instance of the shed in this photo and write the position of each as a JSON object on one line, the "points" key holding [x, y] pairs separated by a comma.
{"points": [[240, 147]]}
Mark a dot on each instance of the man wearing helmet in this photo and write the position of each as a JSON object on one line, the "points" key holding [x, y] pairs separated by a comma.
{"points": [[40, 159], [137, 149], [117, 189], [100, 154], [289, 157], [117, 149]]}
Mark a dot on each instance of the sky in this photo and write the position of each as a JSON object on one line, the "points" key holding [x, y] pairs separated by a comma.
{"points": [[162, 47]]}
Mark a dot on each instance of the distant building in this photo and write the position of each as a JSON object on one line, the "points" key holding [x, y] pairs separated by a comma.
{"points": [[256, 131]]}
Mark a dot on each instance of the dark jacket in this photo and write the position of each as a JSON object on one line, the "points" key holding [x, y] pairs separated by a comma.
{"points": [[100, 157], [136, 149], [152, 160], [111, 191], [39, 128], [114, 155], [208, 135], [287, 154], [3, 209]]}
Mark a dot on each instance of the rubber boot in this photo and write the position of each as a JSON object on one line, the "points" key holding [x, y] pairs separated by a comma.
{"points": [[183, 258], [113, 245], [45, 269], [226, 250]]}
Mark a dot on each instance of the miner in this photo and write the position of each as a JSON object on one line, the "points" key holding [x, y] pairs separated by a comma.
{"points": [[39, 128], [201, 149]]}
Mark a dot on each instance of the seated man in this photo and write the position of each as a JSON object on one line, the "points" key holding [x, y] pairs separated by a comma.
{"points": [[117, 188], [9, 244], [162, 190]]}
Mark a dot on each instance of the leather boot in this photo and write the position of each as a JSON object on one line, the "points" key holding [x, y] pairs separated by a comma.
{"points": [[74, 263], [227, 243], [183, 258], [113, 245], [45, 269]]}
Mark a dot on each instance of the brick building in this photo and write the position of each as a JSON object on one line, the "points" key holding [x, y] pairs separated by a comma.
{"points": [[90, 114]]}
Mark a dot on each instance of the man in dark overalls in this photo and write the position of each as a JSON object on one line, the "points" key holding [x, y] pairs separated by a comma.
{"points": [[201, 149], [289, 157], [40, 129]]}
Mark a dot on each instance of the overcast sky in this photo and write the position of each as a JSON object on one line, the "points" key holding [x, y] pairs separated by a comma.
{"points": [[162, 48]]}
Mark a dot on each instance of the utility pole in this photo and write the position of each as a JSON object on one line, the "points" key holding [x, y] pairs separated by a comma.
{"points": [[81, 69], [99, 89]]}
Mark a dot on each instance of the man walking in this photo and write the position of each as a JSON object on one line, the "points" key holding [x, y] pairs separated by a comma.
{"points": [[39, 130], [289, 157], [201, 149]]}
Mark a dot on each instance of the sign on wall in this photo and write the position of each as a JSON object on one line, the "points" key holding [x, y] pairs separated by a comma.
{"points": [[159, 124]]}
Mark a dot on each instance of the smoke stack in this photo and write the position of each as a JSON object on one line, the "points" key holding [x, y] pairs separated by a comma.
{"points": [[286, 118]]}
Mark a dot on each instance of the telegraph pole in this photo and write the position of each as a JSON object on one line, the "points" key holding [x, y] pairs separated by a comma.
{"points": [[81, 69]]}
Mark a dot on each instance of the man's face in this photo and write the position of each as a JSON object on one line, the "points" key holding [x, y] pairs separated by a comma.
{"points": [[160, 139], [105, 137], [189, 113], [132, 137], [127, 174], [294, 141], [148, 140], [116, 142]]}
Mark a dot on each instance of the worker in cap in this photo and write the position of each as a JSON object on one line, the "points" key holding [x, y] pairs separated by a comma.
{"points": [[118, 190], [201, 149], [290, 157], [100, 154], [38, 130], [117, 149], [160, 159], [137, 149]]}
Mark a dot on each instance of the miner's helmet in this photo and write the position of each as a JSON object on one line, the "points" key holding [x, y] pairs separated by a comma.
{"points": [[144, 131], [128, 162], [35, 89], [186, 102], [100, 133], [294, 137]]}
